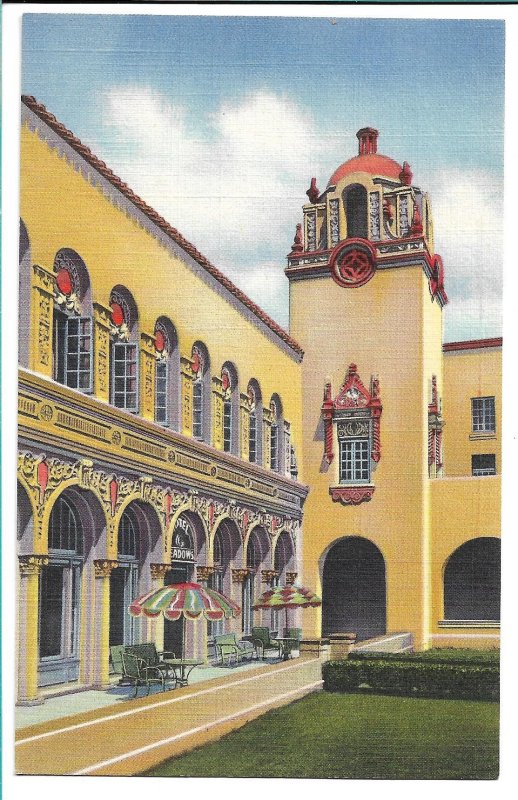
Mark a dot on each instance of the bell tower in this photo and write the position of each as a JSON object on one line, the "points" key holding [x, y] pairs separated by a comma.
{"points": [[366, 299]]}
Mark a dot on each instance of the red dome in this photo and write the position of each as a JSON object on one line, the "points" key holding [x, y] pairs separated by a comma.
{"points": [[373, 164]]}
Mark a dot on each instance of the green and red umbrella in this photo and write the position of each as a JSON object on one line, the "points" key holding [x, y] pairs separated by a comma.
{"points": [[291, 596], [188, 599]]}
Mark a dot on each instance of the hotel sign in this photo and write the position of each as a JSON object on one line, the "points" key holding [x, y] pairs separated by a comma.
{"points": [[182, 546]]}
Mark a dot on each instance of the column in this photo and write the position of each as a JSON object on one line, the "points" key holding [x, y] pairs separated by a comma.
{"points": [[101, 652], [28, 603], [158, 573], [102, 352], [42, 320], [147, 376]]}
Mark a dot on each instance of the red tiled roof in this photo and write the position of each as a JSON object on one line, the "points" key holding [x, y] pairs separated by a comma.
{"points": [[473, 344], [373, 163], [154, 216]]}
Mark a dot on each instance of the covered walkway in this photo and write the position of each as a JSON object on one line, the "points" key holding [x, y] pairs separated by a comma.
{"points": [[135, 735]]}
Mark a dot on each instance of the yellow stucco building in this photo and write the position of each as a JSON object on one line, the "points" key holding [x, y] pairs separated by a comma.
{"points": [[169, 430]]}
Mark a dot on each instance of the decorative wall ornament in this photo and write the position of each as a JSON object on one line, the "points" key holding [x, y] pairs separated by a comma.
{"points": [[436, 280], [120, 318], [404, 220], [311, 231], [334, 225], [374, 215], [435, 428], [351, 495], [352, 263]]}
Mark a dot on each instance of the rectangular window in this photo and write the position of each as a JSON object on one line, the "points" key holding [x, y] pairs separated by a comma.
{"points": [[161, 415], [354, 460], [197, 410], [125, 376], [227, 426], [73, 351], [483, 414], [252, 439], [274, 448], [483, 464]]}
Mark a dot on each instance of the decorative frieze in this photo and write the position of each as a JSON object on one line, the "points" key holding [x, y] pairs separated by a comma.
{"points": [[244, 426], [186, 385], [147, 376], [101, 351], [43, 285], [217, 412], [311, 230], [374, 215], [404, 218], [334, 224]]}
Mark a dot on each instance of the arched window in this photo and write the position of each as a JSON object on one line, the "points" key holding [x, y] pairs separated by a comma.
{"points": [[472, 581], [124, 350], [60, 587], [255, 438], [72, 339], [277, 435], [167, 374], [229, 386], [201, 392], [356, 212]]}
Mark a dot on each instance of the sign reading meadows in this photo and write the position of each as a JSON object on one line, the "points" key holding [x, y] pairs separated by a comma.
{"points": [[182, 546]]}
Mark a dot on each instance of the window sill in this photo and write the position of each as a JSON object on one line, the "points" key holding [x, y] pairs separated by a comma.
{"points": [[469, 623], [351, 495], [482, 435]]}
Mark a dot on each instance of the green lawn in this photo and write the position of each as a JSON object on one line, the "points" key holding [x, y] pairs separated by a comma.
{"points": [[355, 736]]}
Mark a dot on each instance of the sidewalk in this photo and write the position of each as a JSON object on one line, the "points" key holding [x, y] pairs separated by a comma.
{"points": [[135, 735]]}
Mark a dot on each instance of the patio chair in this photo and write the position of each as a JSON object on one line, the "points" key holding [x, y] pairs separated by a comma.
{"points": [[227, 645], [296, 635], [261, 637], [139, 674], [147, 652], [116, 652]]}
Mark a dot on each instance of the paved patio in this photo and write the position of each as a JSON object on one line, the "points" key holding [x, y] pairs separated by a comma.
{"points": [[127, 737]]}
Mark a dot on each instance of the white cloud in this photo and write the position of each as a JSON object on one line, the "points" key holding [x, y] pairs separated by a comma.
{"points": [[235, 185]]}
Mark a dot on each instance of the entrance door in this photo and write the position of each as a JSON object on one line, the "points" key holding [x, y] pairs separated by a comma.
{"points": [[174, 631], [354, 594]]}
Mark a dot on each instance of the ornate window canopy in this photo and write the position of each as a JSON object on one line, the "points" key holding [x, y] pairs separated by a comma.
{"points": [[352, 419]]}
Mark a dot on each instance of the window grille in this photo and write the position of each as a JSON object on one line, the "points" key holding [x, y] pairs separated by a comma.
{"points": [[354, 460], [227, 426], [73, 351], [125, 376], [483, 464], [252, 439], [483, 414], [197, 409], [161, 392]]}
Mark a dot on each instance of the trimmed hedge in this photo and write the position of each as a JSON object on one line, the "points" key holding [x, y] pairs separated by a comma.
{"points": [[416, 679], [439, 655]]}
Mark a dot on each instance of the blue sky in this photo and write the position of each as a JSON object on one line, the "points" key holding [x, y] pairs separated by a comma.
{"points": [[220, 123]]}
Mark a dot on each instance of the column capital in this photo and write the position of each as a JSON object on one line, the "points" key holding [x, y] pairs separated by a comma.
{"points": [[31, 564], [267, 575], [239, 575], [103, 567], [291, 577], [203, 573], [158, 571]]}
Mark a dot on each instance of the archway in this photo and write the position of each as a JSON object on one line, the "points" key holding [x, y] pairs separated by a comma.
{"points": [[472, 581], [257, 559], [227, 553], [353, 589]]}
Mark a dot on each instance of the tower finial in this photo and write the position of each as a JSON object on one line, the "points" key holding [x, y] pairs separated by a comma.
{"points": [[298, 247], [368, 141], [313, 192]]}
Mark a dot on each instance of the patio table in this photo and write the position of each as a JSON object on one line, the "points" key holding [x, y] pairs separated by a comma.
{"points": [[286, 643], [182, 668]]}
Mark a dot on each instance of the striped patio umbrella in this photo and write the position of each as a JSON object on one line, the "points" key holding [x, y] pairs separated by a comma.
{"points": [[188, 599], [286, 597]]}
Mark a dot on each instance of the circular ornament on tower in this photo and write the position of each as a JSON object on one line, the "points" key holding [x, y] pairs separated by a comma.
{"points": [[352, 263]]}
